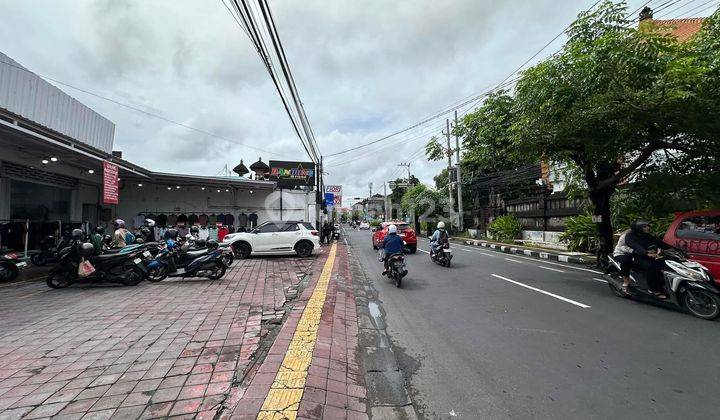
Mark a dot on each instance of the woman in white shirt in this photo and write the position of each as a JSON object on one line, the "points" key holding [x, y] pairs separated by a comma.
{"points": [[623, 255]]}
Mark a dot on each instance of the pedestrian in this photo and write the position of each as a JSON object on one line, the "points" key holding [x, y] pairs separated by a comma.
{"points": [[323, 232]]}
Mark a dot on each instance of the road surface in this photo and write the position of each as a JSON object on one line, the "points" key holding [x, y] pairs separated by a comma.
{"points": [[507, 336]]}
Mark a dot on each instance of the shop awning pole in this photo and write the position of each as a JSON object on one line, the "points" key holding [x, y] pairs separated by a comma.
{"points": [[27, 232], [59, 231]]}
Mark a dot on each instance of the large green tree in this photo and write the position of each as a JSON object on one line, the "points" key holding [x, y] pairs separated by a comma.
{"points": [[612, 102]]}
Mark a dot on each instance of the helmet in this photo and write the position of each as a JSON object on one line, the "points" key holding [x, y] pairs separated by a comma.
{"points": [[170, 243], [392, 229], [171, 234], [77, 234], [637, 225], [139, 240], [213, 244], [194, 229], [87, 249], [441, 225], [200, 243], [99, 230], [150, 222]]}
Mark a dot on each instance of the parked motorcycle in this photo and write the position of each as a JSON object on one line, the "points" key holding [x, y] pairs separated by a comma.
{"points": [[443, 255], [48, 251], [397, 269], [125, 268], [10, 265], [173, 262], [688, 284]]}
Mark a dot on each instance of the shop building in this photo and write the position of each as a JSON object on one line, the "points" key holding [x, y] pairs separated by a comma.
{"points": [[52, 152]]}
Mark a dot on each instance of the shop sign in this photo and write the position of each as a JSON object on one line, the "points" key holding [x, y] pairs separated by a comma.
{"points": [[292, 174], [329, 199], [337, 192], [110, 183]]}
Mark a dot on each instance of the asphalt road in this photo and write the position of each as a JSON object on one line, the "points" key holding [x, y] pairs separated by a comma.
{"points": [[500, 336]]}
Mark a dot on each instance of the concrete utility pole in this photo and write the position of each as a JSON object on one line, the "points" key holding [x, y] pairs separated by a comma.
{"points": [[461, 220], [385, 202], [449, 155]]}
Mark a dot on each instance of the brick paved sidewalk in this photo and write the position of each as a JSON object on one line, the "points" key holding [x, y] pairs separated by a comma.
{"points": [[173, 348], [312, 370]]}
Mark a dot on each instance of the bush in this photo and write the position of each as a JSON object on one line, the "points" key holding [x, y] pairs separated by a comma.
{"points": [[581, 234], [374, 223], [505, 228]]}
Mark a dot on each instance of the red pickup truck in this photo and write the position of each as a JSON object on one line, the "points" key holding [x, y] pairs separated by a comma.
{"points": [[698, 233]]}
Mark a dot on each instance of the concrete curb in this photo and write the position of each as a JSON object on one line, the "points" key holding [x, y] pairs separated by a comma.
{"points": [[509, 249]]}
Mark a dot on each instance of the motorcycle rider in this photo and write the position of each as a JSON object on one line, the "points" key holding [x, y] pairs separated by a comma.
{"points": [[392, 244], [97, 239], [438, 238], [623, 254], [121, 234], [647, 249]]}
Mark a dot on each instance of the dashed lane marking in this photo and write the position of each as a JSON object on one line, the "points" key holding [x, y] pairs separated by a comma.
{"points": [[283, 399], [551, 269], [545, 292], [596, 279], [515, 261]]}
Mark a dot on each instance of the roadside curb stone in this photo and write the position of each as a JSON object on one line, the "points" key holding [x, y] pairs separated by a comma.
{"points": [[543, 255]]}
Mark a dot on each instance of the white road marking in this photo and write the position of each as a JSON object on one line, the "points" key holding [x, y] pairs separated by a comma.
{"points": [[466, 250], [422, 250], [515, 261], [604, 281], [551, 269], [564, 299]]}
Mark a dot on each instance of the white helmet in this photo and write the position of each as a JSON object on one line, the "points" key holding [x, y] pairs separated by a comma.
{"points": [[392, 229], [441, 225], [120, 223], [150, 222]]}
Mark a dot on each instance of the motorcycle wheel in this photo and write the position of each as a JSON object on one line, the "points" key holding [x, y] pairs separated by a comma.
{"points": [[59, 279], [133, 277], [398, 281], [157, 274], [38, 259], [218, 272], [702, 304], [241, 251], [447, 263], [8, 272], [228, 259]]}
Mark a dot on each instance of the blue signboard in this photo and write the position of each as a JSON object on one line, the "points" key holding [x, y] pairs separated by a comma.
{"points": [[329, 199]]}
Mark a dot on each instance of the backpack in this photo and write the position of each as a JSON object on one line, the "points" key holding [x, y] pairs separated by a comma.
{"points": [[443, 239], [129, 238]]}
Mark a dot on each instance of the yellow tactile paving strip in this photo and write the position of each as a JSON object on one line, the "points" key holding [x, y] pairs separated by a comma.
{"points": [[283, 400]]}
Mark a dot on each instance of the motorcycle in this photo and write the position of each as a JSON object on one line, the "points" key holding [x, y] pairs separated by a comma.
{"points": [[125, 268], [48, 251], [397, 269], [688, 284], [172, 262], [336, 233], [443, 255], [10, 266]]}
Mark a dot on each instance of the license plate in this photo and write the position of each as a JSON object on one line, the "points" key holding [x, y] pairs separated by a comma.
{"points": [[147, 254], [21, 264], [137, 261]]}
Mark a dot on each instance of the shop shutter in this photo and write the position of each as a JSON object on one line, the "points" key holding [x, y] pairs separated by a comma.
{"points": [[28, 174]]}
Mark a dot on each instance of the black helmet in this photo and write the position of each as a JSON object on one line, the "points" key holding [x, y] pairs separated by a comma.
{"points": [[87, 249], [77, 234], [99, 230], [145, 231], [139, 240], [171, 234], [212, 244], [637, 225], [200, 243], [194, 229]]}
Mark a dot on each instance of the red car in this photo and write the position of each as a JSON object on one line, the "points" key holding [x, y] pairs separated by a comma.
{"points": [[404, 230], [698, 233]]}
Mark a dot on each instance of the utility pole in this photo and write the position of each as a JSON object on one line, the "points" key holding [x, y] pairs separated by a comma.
{"points": [[385, 202], [449, 155], [461, 220], [407, 165]]}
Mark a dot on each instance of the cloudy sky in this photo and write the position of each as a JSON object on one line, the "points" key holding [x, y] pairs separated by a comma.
{"points": [[364, 69]]}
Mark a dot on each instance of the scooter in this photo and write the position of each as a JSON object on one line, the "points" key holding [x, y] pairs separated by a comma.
{"points": [[10, 265], [127, 268], [688, 284], [443, 255], [48, 251], [397, 269], [171, 263]]}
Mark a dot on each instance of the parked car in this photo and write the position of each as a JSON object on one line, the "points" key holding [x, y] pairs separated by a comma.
{"points": [[364, 225], [404, 230], [275, 238], [698, 233]]}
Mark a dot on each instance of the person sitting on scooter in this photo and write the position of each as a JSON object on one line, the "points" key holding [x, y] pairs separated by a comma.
{"points": [[623, 254], [97, 239], [438, 238], [647, 248], [121, 234], [392, 244]]}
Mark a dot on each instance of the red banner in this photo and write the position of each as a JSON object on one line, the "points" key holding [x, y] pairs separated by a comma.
{"points": [[110, 183]]}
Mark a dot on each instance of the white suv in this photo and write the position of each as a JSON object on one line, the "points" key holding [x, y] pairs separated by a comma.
{"points": [[276, 238]]}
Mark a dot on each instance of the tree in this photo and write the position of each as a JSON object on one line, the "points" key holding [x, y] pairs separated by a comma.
{"points": [[423, 204], [614, 100]]}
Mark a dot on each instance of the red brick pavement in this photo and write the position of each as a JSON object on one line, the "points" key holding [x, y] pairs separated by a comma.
{"points": [[335, 386], [155, 350]]}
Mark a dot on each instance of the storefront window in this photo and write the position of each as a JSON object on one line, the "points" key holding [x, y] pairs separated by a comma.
{"points": [[38, 201]]}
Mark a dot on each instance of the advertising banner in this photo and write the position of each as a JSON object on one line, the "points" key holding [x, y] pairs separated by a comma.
{"points": [[110, 183], [336, 190], [329, 199], [292, 174]]}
